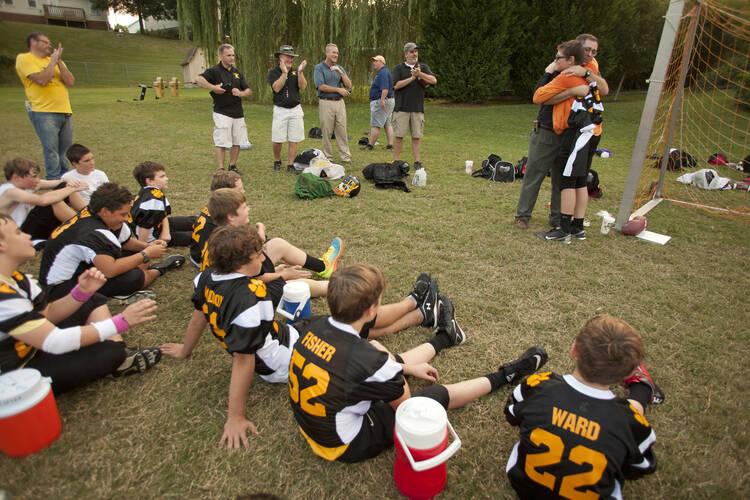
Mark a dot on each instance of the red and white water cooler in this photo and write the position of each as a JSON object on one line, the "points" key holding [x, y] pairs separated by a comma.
{"points": [[29, 419], [421, 439]]}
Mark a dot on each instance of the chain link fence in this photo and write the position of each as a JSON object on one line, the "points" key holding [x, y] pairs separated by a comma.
{"points": [[98, 74]]}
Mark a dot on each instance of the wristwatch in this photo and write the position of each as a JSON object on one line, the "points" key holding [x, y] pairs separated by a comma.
{"points": [[587, 74], [145, 257]]}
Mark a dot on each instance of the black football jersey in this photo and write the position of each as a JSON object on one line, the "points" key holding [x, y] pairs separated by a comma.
{"points": [[21, 303], [576, 441], [73, 245], [202, 229], [334, 376], [148, 211], [241, 315]]}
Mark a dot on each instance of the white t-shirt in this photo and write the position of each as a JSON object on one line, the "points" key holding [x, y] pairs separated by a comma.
{"points": [[22, 210], [94, 180]]}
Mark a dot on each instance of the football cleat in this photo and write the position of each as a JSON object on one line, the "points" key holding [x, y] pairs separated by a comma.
{"points": [[556, 234], [172, 262], [446, 322], [331, 257], [579, 234], [138, 360], [642, 376], [421, 288], [429, 307], [124, 300], [529, 362]]}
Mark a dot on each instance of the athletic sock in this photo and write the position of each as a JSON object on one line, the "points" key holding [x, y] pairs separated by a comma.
{"points": [[497, 380], [578, 224], [314, 264], [412, 297], [565, 222], [640, 392], [439, 342]]}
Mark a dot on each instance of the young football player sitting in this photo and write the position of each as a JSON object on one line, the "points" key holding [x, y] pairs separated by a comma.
{"points": [[150, 214], [239, 310], [357, 385], [97, 237], [583, 429], [75, 340], [228, 206], [204, 223], [38, 214]]}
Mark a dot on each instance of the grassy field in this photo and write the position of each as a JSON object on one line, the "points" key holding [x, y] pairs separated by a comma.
{"points": [[157, 434], [100, 57]]}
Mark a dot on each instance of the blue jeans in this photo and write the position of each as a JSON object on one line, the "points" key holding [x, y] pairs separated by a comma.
{"points": [[55, 130]]}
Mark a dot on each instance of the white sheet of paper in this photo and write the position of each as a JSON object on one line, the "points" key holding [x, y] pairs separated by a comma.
{"points": [[653, 237]]}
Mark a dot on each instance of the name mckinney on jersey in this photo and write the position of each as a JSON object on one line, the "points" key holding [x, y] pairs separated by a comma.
{"points": [[320, 348]]}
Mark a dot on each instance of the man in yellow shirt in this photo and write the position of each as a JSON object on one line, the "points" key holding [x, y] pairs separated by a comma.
{"points": [[46, 80]]}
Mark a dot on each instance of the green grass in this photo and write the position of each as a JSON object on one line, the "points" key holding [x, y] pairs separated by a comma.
{"points": [[105, 54], [157, 434]]}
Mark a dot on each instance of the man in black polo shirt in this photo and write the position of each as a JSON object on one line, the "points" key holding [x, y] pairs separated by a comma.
{"points": [[410, 78], [288, 124], [227, 86]]}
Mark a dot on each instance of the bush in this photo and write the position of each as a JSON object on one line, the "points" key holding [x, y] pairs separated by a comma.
{"points": [[469, 53]]}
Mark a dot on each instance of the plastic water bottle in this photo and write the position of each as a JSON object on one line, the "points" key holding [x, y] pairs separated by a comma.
{"points": [[420, 178]]}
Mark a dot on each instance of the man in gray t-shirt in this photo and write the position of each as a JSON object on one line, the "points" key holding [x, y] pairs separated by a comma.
{"points": [[332, 85]]}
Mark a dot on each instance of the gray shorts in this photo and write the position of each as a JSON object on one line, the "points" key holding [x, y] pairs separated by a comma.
{"points": [[380, 117]]}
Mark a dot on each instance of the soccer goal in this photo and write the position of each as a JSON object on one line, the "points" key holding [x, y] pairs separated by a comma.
{"points": [[698, 102]]}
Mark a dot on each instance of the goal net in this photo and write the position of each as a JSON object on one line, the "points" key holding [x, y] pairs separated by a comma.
{"points": [[704, 111]]}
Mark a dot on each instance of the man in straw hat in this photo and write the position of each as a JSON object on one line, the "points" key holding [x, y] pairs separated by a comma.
{"points": [[288, 124]]}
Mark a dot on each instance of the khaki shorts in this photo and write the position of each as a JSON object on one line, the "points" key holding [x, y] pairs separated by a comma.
{"points": [[229, 131], [288, 124], [404, 122]]}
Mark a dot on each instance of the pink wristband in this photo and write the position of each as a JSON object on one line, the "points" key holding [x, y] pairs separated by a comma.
{"points": [[120, 323], [79, 295]]}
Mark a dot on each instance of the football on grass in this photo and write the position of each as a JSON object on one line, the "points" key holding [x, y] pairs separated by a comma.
{"points": [[634, 226]]}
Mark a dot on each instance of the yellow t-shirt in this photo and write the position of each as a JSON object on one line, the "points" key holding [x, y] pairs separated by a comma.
{"points": [[51, 98]]}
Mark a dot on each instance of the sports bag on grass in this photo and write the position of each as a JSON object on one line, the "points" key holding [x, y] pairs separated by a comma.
{"points": [[309, 187], [495, 169], [388, 175]]}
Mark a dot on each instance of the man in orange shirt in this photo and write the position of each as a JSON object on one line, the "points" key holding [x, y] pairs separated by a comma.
{"points": [[590, 49], [544, 144], [574, 194]]}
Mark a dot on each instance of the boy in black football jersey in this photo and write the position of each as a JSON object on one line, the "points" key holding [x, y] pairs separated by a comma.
{"points": [[204, 223], [98, 236], [229, 206], [420, 307], [75, 340], [344, 390], [150, 213], [577, 438], [238, 308]]}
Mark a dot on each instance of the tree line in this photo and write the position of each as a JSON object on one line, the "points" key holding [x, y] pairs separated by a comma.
{"points": [[479, 49]]}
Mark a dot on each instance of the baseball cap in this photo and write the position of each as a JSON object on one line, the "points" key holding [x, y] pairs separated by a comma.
{"points": [[410, 46], [378, 58], [287, 50]]}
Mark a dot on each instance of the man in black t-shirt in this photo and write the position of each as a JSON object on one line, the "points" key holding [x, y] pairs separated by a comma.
{"points": [[410, 78], [288, 124], [227, 86]]}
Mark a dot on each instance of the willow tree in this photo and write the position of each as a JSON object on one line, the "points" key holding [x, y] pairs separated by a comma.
{"points": [[256, 28]]}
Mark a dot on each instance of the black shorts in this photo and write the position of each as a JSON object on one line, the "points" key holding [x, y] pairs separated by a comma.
{"points": [[122, 284], [376, 433], [567, 145], [41, 220]]}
